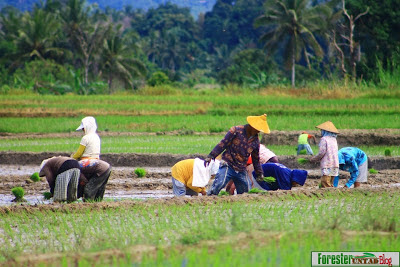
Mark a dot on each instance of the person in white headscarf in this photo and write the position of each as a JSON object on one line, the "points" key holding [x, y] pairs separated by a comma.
{"points": [[89, 147], [190, 176]]}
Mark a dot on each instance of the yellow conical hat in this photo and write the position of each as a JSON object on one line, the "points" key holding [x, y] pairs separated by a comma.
{"points": [[328, 126], [259, 123]]}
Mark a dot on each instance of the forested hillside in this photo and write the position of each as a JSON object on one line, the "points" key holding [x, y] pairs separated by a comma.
{"points": [[63, 46], [196, 6]]}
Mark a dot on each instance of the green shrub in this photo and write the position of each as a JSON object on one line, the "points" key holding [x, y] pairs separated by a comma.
{"points": [[256, 190], [302, 161], [158, 78], [35, 177], [223, 193], [140, 172], [373, 171], [388, 152], [47, 195], [18, 192]]}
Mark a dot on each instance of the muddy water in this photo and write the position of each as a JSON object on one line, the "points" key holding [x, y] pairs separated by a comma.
{"points": [[124, 184]]}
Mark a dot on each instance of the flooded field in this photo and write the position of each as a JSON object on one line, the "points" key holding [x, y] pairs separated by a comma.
{"points": [[124, 184]]}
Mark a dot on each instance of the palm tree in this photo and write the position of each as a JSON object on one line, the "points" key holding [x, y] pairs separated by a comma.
{"points": [[36, 37], [290, 24], [118, 59]]}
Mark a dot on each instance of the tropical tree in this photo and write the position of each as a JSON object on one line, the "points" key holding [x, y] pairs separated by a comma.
{"points": [[290, 25], [36, 37], [118, 58]]}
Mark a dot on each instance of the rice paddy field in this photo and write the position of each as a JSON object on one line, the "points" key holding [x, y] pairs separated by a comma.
{"points": [[279, 228]]}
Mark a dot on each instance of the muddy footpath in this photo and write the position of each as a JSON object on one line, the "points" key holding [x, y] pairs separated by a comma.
{"points": [[16, 167]]}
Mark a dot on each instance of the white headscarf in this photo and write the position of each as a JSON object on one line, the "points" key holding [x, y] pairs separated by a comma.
{"points": [[88, 124]]}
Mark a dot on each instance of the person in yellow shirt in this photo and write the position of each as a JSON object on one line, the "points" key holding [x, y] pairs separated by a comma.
{"points": [[186, 171], [303, 143]]}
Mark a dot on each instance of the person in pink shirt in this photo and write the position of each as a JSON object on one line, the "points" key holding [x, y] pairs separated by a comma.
{"points": [[328, 154]]}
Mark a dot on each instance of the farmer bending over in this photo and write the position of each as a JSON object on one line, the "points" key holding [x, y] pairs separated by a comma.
{"points": [[285, 178], [238, 144], [94, 179], [190, 176], [62, 174], [302, 143], [355, 161]]}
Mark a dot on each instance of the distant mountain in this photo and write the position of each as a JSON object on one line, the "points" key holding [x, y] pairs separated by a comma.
{"points": [[196, 6]]}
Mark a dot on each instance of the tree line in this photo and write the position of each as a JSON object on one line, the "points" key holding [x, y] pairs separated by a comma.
{"points": [[64, 46]]}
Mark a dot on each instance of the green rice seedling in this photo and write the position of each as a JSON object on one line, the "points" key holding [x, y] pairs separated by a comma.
{"points": [[223, 193], [388, 152], [303, 152], [35, 177], [256, 190], [373, 171], [140, 172], [302, 161], [19, 193], [47, 195], [269, 179]]}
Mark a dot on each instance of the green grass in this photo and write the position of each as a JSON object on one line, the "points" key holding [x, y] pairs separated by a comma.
{"points": [[191, 112], [296, 223], [181, 144]]}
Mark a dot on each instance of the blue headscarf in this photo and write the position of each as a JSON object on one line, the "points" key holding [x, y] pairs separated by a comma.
{"points": [[326, 133]]}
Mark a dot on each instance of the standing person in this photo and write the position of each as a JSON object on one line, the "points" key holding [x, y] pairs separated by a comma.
{"points": [[355, 161], [89, 147], [302, 143], [285, 177], [238, 144], [328, 153], [266, 155], [96, 172], [62, 174], [190, 176]]}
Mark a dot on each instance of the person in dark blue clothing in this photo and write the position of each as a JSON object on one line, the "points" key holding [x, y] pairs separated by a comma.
{"points": [[285, 178]]}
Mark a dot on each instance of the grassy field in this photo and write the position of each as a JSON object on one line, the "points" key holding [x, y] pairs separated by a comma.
{"points": [[191, 112], [180, 144], [279, 230]]}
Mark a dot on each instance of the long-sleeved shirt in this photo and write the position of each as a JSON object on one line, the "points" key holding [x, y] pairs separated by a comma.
{"points": [[183, 172], [353, 157], [237, 148], [328, 152]]}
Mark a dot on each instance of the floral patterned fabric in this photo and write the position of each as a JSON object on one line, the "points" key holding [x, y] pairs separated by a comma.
{"points": [[328, 154], [237, 148]]}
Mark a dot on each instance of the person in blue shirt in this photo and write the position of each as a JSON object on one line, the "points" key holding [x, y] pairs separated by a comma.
{"points": [[285, 177], [355, 161]]}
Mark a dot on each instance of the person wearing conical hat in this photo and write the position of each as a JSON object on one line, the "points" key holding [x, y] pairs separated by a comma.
{"points": [[328, 154], [238, 144]]}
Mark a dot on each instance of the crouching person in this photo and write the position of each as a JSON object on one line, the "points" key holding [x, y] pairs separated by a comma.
{"points": [[95, 177], [354, 161], [62, 175], [285, 178], [190, 176]]}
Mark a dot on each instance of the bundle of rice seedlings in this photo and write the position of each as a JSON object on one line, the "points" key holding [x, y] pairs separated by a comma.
{"points": [[223, 193], [269, 179], [47, 195], [19, 193], [373, 171], [302, 161], [140, 172], [388, 152], [255, 191], [35, 177]]}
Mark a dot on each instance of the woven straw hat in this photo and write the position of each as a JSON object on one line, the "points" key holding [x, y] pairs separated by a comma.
{"points": [[328, 126], [259, 123]]}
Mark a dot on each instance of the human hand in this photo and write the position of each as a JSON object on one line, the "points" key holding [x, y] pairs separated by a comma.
{"points": [[260, 178], [204, 193], [207, 161]]}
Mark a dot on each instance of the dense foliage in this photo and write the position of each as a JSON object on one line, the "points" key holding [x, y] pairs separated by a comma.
{"points": [[61, 46]]}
